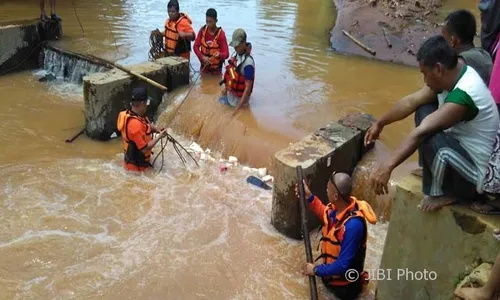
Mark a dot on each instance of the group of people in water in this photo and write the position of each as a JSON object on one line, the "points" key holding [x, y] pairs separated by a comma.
{"points": [[211, 48], [456, 133]]}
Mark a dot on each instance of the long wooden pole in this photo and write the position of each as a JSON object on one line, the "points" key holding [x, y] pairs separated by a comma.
{"points": [[305, 233], [363, 46], [128, 71]]}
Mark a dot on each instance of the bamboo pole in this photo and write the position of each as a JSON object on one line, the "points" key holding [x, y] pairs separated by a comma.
{"points": [[363, 46], [386, 38], [305, 233], [128, 71]]}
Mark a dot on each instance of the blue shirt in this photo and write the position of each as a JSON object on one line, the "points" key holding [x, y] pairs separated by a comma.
{"points": [[353, 238]]}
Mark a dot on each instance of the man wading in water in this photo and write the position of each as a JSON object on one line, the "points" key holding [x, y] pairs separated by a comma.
{"points": [[137, 132], [343, 244], [454, 134]]}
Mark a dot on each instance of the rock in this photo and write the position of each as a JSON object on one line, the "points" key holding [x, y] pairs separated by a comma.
{"points": [[372, 3], [478, 277], [47, 78], [262, 172]]}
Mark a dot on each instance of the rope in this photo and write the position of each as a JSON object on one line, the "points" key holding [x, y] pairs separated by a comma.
{"points": [[169, 137], [156, 44], [76, 14]]}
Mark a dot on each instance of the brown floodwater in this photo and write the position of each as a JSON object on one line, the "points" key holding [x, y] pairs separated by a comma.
{"points": [[76, 226]]}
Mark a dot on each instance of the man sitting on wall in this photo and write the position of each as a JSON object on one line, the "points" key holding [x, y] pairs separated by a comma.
{"points": [[343, 244], [454, 135]]}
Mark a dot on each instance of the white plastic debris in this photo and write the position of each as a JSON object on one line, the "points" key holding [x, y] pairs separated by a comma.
{"points": [[268, 178], [262, 172], [246, 169], [114, 135], [195, 147], [203, 156], [232, 159], [208, 151]]}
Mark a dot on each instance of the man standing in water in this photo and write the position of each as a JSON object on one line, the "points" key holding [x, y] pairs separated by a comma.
{"points": [[343, 244], [43, 14], [137, 132], [240, 73], [211, 45], [178, 32], [454, 135]]}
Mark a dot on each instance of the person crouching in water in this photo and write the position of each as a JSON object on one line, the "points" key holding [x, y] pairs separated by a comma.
{"points": [[211, 45], [240, 73], [178, 32], [344, 237], [137, 132]]}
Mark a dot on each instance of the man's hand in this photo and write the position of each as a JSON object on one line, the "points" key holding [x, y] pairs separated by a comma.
{"points": [[308, 269], [380, 179], [307, 192], [163, 133], [373, 133]]}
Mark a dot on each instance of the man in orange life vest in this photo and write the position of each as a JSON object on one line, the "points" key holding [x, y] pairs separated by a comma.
{"points": [[343, 244], [211, 45], [137, 132], [178, 32], [240, 73]]}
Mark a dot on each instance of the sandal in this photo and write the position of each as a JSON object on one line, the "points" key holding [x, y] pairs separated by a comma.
{"points": [[485, 208]]}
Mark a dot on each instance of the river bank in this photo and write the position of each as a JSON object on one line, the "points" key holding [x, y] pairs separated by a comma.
{"points": [[394, 29]]}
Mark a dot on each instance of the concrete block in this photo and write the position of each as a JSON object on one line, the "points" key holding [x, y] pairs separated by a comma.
{"points": [[20, 46], [446, 242], [50, 30], [108, 93], [334, 147], [178, 71]]}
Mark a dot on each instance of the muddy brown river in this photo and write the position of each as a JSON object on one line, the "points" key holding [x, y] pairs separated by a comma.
{"points": [[75, 225]]}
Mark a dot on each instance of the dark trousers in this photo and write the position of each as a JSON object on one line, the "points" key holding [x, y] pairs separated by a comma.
{"points": [[447, 167], [347, 292]]}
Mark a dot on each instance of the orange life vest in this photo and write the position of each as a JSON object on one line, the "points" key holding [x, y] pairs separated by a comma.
{"points": [[133, 155], [234, 77], [174, 45], [210, 50], [332, 238]]}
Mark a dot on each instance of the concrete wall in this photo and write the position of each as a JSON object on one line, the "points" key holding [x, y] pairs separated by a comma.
{"points": [[337, 146], [108, 93], [447, 242], [20, 43]]}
